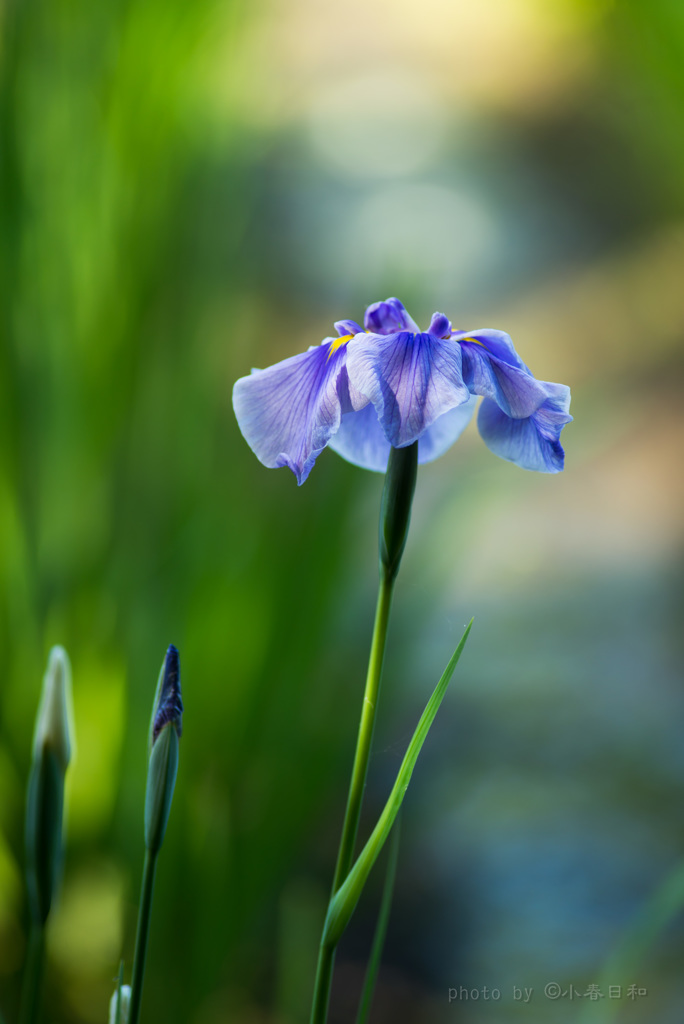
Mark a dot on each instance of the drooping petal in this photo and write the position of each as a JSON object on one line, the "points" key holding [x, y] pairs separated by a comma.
{"points": [[411, 379], [438, 438], [388, 317], [512, 387], [532, 442], [361, 440], [288, 412]]}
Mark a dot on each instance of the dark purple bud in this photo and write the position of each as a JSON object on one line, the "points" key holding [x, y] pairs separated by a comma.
{"points": [[169, 703]]}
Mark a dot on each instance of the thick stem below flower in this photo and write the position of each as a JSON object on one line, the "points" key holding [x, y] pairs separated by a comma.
{"points": [[365, 736], [326, 955], [395, 515]]}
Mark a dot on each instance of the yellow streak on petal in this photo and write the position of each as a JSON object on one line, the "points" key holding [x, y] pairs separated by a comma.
{"points": [[338, 342], [475, 342]]}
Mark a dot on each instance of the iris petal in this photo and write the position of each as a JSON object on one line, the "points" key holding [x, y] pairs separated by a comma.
{"points": [[388, 317], [411, 379], [440, 326], [438, 438], [288, 412], [361, 440], [347, 327], [513, 388], [531, 442], [496, 343]]}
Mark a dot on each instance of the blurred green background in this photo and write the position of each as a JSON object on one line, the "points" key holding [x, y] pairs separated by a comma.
{"points": [[191, 189]]}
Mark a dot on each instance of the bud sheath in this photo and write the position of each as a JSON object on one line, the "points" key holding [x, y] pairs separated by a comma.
{"points": [[161, 780], [162, 768], [165, 729]]}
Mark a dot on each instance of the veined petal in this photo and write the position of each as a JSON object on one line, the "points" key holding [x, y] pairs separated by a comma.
{"points": [[411, 379], [496, 343], [288, 412], [388, 317], [532, 442], [438, 438], [513, 388], [361, 440]]}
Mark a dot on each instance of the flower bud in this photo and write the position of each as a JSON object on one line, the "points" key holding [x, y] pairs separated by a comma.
{"points": [[45, 798], [165, 730], [53, 721], [119, 1005]]}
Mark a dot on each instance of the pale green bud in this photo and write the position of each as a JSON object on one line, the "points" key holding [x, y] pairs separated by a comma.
{"points": [[45, 798], [54, 727], [119, 1005]]}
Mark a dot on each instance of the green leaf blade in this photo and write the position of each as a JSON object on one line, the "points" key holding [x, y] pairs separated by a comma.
{"points": [[344, 901]]}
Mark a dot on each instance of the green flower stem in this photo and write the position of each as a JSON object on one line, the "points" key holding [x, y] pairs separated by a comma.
{"points": [[395, 515], [144, 914], [326, 961], [30, 996], [326, 954], [365, 737]]}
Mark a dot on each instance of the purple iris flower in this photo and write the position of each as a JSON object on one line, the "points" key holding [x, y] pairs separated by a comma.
{"points": [[391, 384]]}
